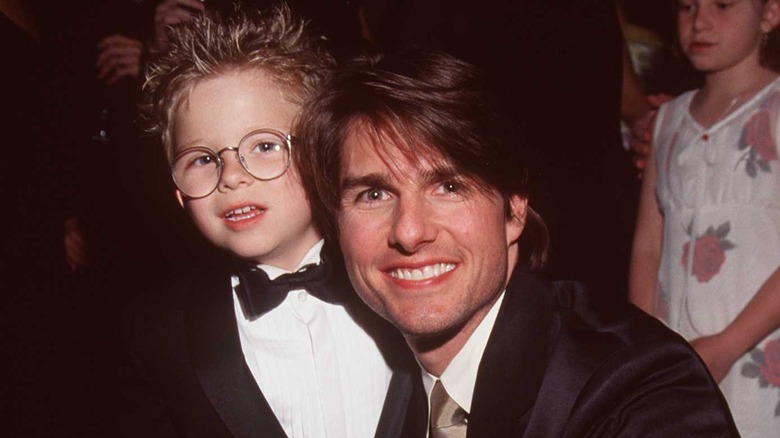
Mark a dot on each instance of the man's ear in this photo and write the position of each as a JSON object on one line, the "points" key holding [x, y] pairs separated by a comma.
{"points": [[518, 210], [771, 16], [180, 198]]}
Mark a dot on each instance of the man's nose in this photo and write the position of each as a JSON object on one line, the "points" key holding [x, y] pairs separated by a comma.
{"points": [[414, 224]]}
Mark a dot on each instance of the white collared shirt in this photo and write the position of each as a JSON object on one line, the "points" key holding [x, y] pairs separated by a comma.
{"points": [[460, 376], [322, 374]]}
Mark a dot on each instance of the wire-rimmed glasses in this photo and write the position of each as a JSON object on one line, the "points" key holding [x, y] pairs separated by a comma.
{"points": [[264, 153]]}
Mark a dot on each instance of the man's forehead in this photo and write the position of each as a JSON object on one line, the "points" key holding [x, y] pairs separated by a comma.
{"points": [[398, 152], [372, 156]]}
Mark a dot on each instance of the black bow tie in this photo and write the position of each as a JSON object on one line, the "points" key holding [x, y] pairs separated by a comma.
{"points": [[259, 294]]}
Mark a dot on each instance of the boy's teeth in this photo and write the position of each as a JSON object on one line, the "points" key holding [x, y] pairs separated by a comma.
{"points": [[424, 273], [238, 212]]}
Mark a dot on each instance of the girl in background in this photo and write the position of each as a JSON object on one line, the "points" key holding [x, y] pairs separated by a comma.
{"points": [[706, 256]]}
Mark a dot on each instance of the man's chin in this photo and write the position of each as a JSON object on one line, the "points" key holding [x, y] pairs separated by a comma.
{"points": [[427, 337]]}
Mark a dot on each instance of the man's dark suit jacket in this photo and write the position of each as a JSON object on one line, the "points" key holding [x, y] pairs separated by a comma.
{"points": [[556, 366], [188, 376]]}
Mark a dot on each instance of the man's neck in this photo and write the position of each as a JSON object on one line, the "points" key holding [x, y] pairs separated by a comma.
{"points": [[435, 354]]}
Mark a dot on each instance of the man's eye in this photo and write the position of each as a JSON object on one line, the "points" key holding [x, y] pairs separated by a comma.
{"points": [[372, 195], [450, 187], [723, 5]]}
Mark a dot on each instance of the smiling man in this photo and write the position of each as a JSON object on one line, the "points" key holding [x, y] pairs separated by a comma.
{"points": [[410, 157]]}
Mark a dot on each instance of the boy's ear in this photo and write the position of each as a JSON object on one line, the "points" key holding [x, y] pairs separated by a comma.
{"points": [[180, 198], [771, 16]]}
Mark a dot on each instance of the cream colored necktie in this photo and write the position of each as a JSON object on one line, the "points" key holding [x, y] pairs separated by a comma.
{"points": [[448, 420]]}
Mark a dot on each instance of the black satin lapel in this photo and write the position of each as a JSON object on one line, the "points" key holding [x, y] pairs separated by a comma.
{"points": [[513, 365], [405, 412], [219, 362], [396, 404]]}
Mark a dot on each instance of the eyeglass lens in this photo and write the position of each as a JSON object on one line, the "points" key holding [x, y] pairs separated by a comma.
{"points": [[265, 155]]}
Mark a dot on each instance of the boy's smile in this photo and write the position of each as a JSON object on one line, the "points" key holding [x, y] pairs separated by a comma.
{"points": [[261, 221], [239, 217]]}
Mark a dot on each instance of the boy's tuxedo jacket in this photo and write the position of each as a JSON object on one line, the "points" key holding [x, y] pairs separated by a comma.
{"points": [[555, 366], [186, 373]]}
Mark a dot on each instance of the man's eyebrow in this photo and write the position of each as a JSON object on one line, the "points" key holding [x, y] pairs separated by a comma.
{"points": [[440, 173], [432, 175], [368, 180]]}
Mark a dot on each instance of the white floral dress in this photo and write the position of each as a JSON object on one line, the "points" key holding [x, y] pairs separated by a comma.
{"points": [[719, 191]]}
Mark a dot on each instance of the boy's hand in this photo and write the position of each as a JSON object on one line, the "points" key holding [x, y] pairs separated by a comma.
{"points": [[170, 13], [118, 57]]}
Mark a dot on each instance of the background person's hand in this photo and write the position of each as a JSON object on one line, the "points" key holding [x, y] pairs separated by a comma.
{"points": [[170, 13], [118, 57], [642, 131], [75, 245]]}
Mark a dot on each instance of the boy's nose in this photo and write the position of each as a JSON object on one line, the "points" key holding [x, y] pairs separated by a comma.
{"points": [[233, 173]]}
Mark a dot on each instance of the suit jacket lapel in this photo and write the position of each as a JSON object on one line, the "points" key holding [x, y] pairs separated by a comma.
{"points": [[513, 365], [219, 362], [405, 410]]}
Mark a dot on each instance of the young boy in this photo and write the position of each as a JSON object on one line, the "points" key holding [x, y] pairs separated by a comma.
{"points": [[230, 352]]}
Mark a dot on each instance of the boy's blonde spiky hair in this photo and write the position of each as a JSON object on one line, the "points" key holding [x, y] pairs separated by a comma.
{"points": [[274, 41]]}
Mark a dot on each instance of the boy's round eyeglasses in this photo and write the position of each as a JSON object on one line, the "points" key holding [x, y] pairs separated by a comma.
{"points": [[265, 154]]}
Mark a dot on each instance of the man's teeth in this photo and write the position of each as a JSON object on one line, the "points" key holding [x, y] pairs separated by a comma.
{"points": [[425, 273], [243, 213]]}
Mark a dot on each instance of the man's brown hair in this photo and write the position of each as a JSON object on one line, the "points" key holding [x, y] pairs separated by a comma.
{"points": [[427, 104]]}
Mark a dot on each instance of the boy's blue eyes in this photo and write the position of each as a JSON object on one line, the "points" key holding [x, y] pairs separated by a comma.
{"points": [[203, 160], [265, 147]]}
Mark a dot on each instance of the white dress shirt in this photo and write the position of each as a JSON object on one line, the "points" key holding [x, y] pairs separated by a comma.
{"points": [[322, 374], [460, 376]]}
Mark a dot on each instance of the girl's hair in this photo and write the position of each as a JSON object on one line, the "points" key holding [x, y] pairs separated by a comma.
{"points": [[274, 41]]}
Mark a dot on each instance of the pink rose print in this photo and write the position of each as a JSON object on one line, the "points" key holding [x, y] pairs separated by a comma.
{"points": [[770, 369], [758, 135], [709, 252], [764, 365], [760, 145]]}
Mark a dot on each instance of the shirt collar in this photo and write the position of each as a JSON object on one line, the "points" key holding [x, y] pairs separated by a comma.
{"points": [[460, 376], [311, 257]]}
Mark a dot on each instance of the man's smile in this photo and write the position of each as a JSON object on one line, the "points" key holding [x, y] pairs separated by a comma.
{"points": [[422, 273]]}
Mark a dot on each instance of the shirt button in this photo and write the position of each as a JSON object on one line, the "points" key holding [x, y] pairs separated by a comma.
{"points": [[705, 137], [303, 296]]}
